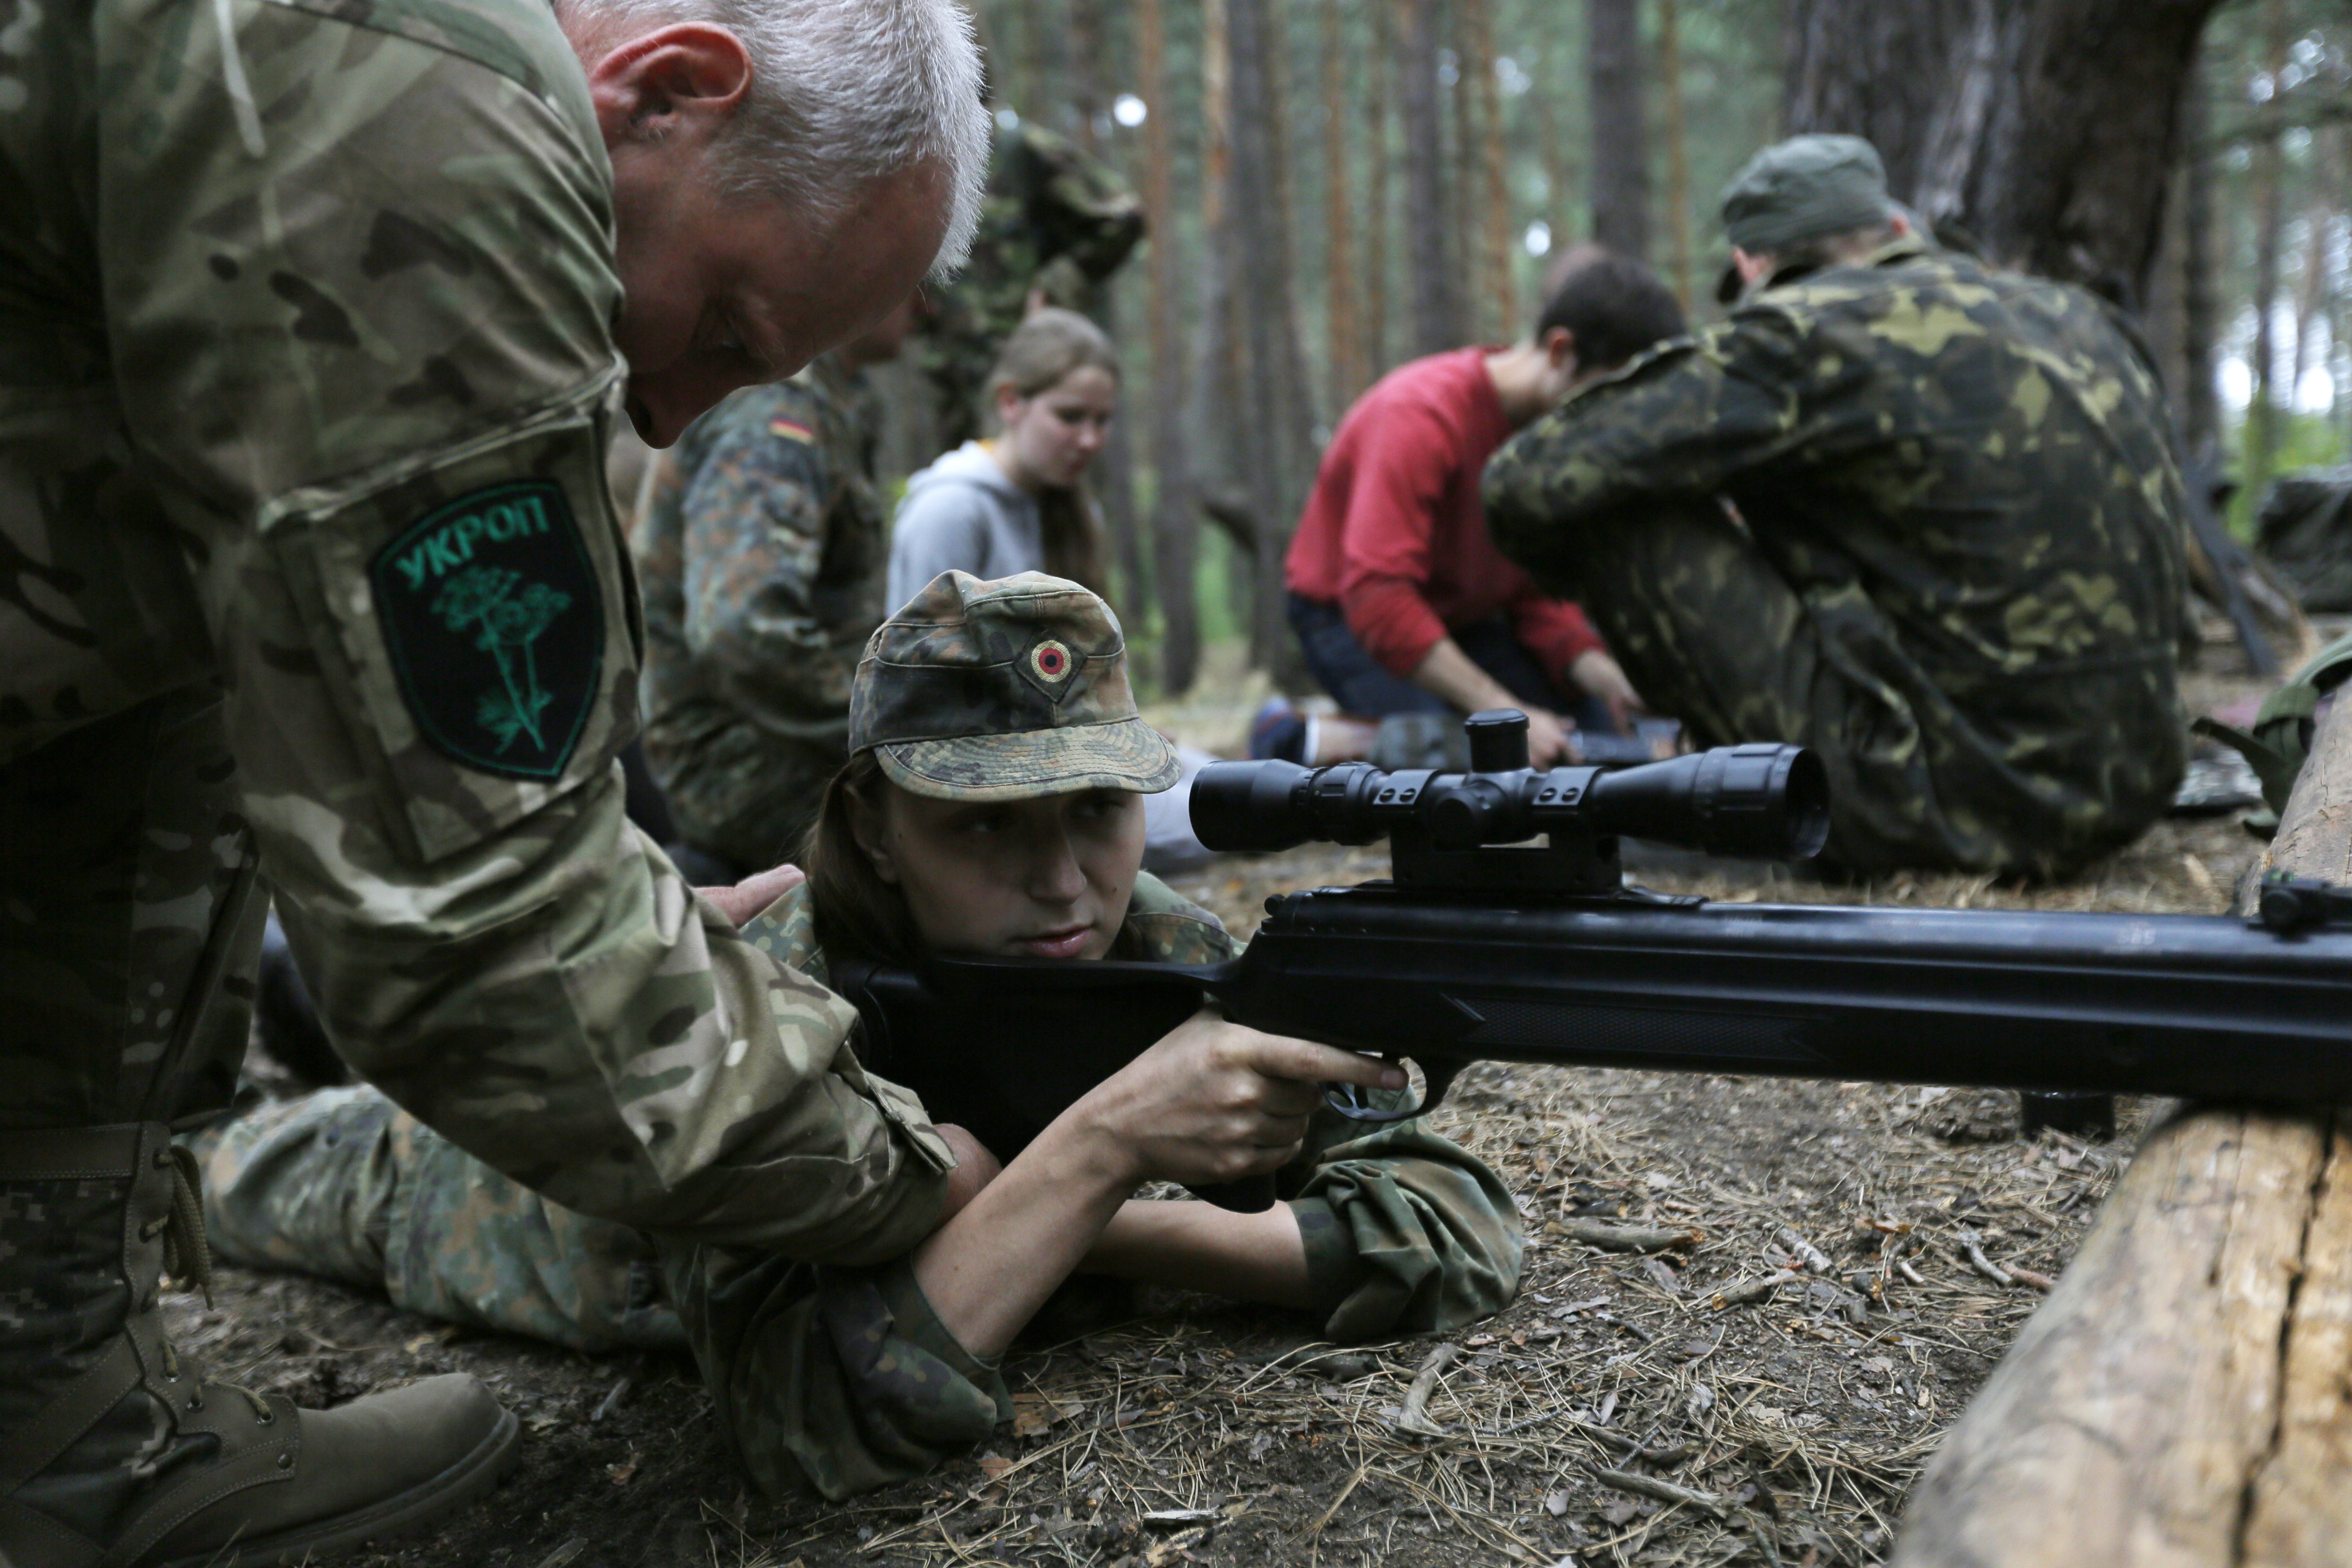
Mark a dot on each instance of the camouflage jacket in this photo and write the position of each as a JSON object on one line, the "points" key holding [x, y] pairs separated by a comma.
{"points": [[762, 557], [1056, 222], [838, 1380], [1979, 455], [306, 363]]}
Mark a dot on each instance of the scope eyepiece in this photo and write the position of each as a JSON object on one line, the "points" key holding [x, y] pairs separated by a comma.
{"points": [[1757, 800]]}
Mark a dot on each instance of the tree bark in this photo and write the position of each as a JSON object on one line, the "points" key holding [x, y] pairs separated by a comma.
{"points": [[2040, 131], [1436, 294], [1559, 169], [1276, 413], [1378, 198], [1620, 141], [1678, 226], [2269, 220], [1344, 350], [2200, 397], [1115, 475], [1498, 309], [1175, 511]]}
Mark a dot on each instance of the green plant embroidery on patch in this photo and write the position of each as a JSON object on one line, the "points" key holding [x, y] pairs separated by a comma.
{"points": [[492, 614]]}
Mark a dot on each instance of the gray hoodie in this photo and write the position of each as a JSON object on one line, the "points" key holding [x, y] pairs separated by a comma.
{"points": [[962, 515]]}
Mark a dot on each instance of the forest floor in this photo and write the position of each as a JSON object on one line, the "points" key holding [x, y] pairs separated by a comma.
{"points": [[1763, 1390]]}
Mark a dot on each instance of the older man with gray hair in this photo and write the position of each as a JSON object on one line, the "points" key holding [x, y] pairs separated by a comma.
{"points": [[314, 320]]}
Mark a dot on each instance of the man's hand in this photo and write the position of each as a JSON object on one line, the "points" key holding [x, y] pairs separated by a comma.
{"points": [[1550, 742], [1597, 674], [754, 893]]}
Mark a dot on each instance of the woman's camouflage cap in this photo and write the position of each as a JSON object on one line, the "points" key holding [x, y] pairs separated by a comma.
{"points": [[1005, 690]]}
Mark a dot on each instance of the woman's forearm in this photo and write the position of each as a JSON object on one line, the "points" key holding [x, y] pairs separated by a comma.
{"points": [[1200, 1246], [990, 1268]]}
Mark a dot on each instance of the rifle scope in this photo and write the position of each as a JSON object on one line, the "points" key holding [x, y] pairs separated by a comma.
{"points": [[1758, 800]]}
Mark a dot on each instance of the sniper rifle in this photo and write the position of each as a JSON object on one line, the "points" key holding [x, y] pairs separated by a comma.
{"points": [[1482, 945]]}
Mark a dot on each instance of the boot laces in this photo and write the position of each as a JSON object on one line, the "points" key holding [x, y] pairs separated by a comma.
{"points": [[188, 1257]]}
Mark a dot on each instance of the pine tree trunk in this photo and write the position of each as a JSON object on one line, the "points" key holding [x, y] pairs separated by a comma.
{"points": [[1114, 479], [1620, 168], [1559, 171], [1345, 352], [1678, 222], [1175, 511], [1275, 411], [1379, 198], [1436, 299], [1217, 390], [2200, 400], [2041, 130], [2269, 220], [1497, 308]]}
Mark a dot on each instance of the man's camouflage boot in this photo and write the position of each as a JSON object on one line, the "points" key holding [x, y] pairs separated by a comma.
{"points": [[115, 1452]]}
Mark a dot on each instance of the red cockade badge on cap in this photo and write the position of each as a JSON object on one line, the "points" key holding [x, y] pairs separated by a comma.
{"points": [[1049, 661]]}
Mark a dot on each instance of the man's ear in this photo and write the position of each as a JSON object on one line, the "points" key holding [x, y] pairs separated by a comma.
{"points": [[1559, 348], [688, 75], [1900, 222]]}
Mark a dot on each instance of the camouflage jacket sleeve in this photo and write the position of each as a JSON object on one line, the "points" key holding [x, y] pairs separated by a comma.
{"points": [[1681, 422], [1405, 1231], [362, 336], [829, 1380], [755, 512]]}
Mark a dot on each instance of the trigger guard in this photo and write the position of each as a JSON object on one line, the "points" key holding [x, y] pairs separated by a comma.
{"points": [[1345, 1099]]}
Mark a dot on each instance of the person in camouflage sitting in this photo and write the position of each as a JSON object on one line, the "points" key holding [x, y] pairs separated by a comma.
{"points": [[993, 804], [762, 557], [1952, 560], [1055, 224]]}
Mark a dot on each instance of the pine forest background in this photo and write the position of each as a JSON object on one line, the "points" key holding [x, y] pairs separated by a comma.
{"points": [[1336, 187]]}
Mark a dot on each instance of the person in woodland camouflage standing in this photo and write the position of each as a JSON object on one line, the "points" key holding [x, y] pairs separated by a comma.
{"points": [[1056, 224], [313, 321], [763, 556], [1952, 561]]}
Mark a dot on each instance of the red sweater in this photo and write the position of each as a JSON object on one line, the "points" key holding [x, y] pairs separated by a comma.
{"points": [[1394, 535]]}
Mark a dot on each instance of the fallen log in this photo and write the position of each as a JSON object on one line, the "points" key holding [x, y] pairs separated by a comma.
{"points": [[2182, 1398]]}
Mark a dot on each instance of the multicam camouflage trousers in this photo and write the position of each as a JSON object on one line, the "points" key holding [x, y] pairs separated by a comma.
{"points": [[130, 915], [343, 1184], [2031, 774]]}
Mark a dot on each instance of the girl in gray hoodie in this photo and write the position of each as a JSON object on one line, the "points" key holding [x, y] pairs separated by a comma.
{"points": [[1018, 502]]}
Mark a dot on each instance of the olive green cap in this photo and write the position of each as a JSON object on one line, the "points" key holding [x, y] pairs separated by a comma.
{"points": [[1005, 690], [1797, 189]]}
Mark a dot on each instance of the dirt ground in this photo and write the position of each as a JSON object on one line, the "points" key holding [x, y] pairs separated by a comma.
{"points": [[1762, 1384]]}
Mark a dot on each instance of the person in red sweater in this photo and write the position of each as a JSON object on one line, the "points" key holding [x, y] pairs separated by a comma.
{"points": [[1401, 602]]}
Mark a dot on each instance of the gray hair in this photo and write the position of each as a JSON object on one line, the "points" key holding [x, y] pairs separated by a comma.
{"points": [[844, 93]]}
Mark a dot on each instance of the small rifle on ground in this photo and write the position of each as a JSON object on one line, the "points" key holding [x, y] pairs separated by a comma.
{"points": [[1484, 946]]}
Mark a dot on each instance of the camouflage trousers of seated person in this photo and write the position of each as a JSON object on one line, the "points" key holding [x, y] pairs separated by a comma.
{"points": [[343, 1184], [1932, 766]]}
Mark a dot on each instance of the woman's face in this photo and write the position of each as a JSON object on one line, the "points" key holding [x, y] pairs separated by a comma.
{"points": [[1032, 879], [1049, 440]]}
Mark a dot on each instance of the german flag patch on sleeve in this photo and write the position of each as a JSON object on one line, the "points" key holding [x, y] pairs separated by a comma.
{"points": [[792, 430]]}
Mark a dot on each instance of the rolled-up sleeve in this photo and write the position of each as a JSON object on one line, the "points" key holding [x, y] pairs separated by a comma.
{"points": [[827, 1380], [1405, 1231]]}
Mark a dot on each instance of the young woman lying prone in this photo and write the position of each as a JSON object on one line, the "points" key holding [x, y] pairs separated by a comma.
{"points": [[992, 804]]}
